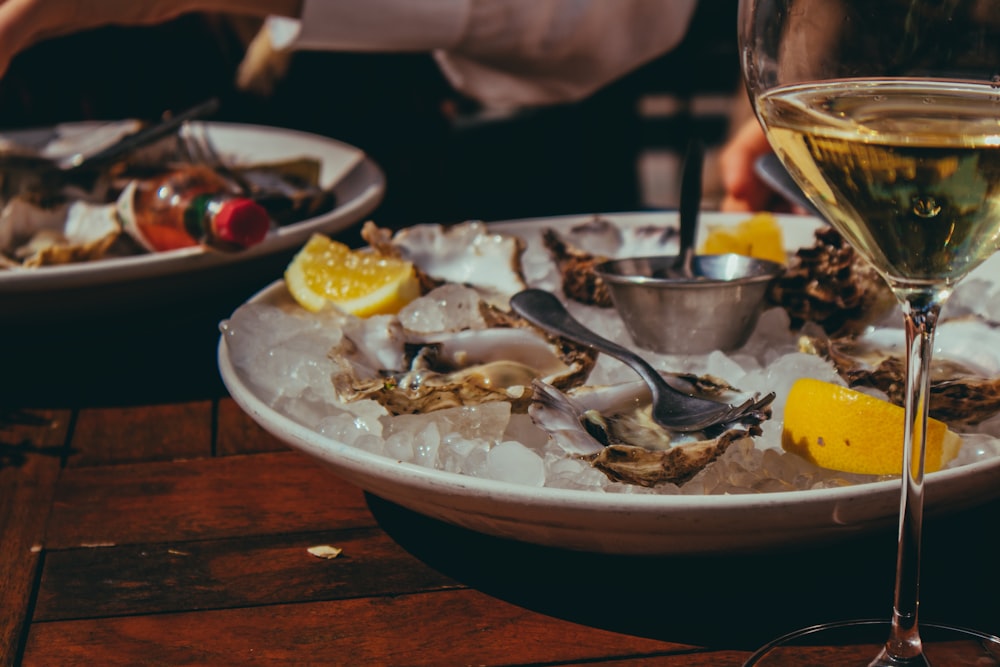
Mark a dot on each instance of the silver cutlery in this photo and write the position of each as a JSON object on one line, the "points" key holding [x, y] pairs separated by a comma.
{"points": [[672, 409]]}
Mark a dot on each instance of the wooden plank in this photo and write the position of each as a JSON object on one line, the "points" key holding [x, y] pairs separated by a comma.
{"points": [[184, 576], [706, 658], [237, 433], [166, 432], [212, 498], [460, 627], [31, 446]]}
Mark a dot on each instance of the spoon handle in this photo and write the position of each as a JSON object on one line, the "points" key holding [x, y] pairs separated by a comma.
{"points": [[545, 310], [770, 170], [672, 409], [690, 202]]}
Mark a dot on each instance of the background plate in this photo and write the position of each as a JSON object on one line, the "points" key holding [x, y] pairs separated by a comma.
{"points": [[615, 523], [70, 289]]}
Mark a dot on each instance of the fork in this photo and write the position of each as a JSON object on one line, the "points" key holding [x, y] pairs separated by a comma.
{"points": [[197, 147], [672, 408]]}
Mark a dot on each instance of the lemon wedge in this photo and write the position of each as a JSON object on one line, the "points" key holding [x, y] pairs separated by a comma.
{"points": [[842, 429], [759, 236], [356, 281]]}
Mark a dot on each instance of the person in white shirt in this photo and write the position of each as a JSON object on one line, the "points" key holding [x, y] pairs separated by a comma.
{"points": [[504, 53]]}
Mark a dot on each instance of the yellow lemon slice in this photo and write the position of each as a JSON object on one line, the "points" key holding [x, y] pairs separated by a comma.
{"points": [[358, 282], [758, 236], [842, 429]]}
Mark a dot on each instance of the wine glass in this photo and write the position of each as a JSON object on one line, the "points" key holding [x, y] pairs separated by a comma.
{"points": [[887, 114]]}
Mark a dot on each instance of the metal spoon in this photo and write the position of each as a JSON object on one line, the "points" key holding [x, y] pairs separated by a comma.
{"points": [[770, 170], [672, 409], [690, 206]]}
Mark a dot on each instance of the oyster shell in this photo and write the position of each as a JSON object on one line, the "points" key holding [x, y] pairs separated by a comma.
{"points": [[612, 428], [965, 389], [464, 254], [33, 235], [600, 236], [579, 249], [409, 372], [830, 284], [576, 267]]}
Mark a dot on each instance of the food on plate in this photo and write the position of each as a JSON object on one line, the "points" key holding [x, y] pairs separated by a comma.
{"points": [[358, 282], [843, 429], [412, 363], [51, 217], [965, 387], [579, 280], [463, 254], [830, 284], [759, 236], [290, 190], [454, 380], [612, 427], [43, 234], [416, 361], [434, 370], [578, 249], [826, 283]]}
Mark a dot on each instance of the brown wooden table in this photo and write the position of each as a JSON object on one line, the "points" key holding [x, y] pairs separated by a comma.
{"points": [[146, 520]]}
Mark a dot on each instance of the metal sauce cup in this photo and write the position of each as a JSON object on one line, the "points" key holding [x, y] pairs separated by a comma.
{"points": [[716, 309]]}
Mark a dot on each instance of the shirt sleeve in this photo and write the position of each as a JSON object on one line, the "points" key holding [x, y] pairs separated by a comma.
{"points": [[505, 53], [372, 25]]}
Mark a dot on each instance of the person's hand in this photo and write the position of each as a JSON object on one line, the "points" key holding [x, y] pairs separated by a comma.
{"points": [[27, 22], [744, 191]]}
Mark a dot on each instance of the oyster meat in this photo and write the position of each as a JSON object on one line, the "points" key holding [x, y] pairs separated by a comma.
{"points": [[411, 372], [612, 428]]}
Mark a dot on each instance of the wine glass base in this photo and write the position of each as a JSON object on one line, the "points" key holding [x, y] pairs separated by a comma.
{"points": [[858, 642]]}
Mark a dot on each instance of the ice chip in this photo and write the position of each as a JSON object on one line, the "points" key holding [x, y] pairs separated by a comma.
{"points": [[486, 421], [447, 308], [400, 446], [425, 445], [510, 461]]}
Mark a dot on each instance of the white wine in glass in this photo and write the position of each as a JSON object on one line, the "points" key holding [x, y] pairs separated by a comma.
{"points": [[887, 114]]}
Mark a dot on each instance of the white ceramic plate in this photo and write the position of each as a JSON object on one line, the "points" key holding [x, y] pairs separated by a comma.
{"points": [[355, 179], [615, 523]]}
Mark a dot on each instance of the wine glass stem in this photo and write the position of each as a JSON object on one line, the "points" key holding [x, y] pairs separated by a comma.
{"points": [[920, 313]]}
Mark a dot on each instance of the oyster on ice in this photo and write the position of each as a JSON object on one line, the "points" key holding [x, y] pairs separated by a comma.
{"points": [[409, 371], [33, 235], [965, 387], [492, 355], [576, 268], [830, 284], [612, 428], [467, 253]]}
